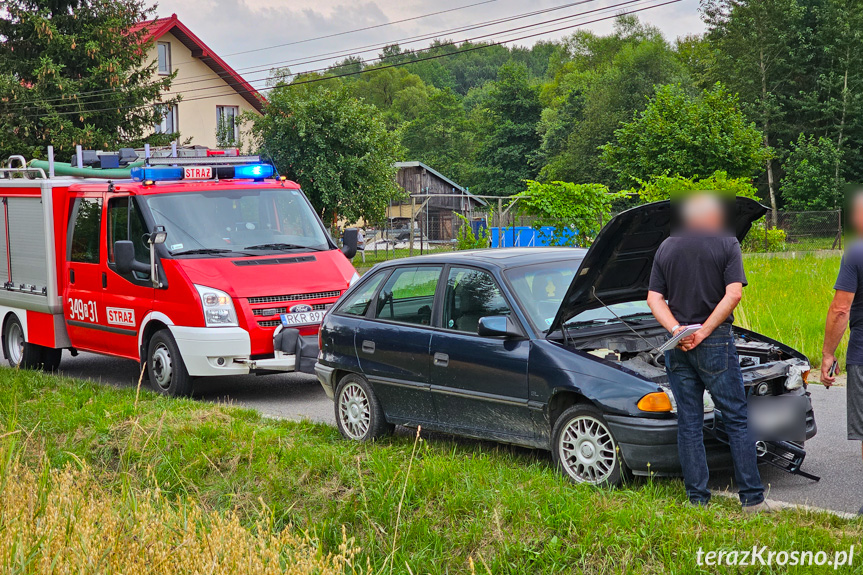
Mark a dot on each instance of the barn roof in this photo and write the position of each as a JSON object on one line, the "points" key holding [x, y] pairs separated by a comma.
{"points": [[437, 174]]}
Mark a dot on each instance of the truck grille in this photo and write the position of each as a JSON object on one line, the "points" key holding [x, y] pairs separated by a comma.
{"points": [[295, 297], [269, 311]]}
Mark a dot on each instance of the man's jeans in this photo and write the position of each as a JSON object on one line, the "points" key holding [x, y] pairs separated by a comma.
{"points": [[713, 365]]}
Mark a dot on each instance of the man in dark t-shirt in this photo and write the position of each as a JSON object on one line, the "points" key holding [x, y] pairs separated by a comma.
{"points": [[847, 309], [698, 278]]}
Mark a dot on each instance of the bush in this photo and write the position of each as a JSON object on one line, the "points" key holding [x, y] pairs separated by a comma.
{"points": [[664, 187], [467, 240], [761, 239], [575, 211]]}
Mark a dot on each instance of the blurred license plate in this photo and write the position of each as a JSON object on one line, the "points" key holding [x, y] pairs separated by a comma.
{"points": [[302, 318], [198, 173]]}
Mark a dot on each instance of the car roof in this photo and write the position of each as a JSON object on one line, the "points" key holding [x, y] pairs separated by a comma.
{"points": [[502, 258]]}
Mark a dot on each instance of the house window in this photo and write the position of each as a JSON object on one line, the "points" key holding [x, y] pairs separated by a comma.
{"points": [[170, 120], [227, 128], [164, 49]]}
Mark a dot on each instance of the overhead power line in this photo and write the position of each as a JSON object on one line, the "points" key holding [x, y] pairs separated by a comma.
{"points": [[82, 97], [393, 65]]}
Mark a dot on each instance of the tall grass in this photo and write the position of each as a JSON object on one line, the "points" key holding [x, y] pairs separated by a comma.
{"points": [[66, 521], [428, 506], [787, 299]]}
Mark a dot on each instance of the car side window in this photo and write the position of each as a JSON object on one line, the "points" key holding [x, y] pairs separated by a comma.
{"points": [[125, 222], [358, 302], [470, 295], [408, 295]]}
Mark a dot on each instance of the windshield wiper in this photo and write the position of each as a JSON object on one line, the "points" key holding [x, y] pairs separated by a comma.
{"points": [[584, 323], [203, 251], [280, 246]]}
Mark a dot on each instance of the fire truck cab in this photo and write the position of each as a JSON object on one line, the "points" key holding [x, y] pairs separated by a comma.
{"points": [[194, 267]]}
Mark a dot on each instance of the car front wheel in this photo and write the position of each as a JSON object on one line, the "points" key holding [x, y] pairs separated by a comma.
{"points": [[584, 448], [359, 415]]}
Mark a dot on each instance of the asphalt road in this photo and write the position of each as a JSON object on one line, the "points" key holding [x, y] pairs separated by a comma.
{"points": [[297, 396]]}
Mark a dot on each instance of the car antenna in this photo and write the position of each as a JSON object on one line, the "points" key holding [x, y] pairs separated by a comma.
{"points": [[624, 322]]}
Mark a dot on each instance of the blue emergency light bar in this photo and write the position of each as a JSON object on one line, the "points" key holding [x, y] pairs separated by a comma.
{"points": [[203, 172]]}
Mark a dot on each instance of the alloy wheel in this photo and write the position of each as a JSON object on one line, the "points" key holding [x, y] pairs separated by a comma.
{"points": [[354, 411], [587, 451]]}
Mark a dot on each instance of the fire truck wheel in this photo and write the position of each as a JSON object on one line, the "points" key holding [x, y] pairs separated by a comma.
{"points": [[21, 354], [165, 365]]}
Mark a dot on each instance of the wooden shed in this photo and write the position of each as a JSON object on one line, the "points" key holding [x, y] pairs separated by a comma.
{"points": [[435, 215]]}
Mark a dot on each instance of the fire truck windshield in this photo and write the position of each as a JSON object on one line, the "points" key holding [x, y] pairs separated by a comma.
{"points": [[223, 222]]}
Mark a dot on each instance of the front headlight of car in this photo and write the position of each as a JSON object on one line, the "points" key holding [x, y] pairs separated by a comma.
{"points": [[218, 307], [797, 375]]}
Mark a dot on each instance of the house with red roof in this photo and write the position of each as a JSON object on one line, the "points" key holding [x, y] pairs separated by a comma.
{"points": [[213, 93]]}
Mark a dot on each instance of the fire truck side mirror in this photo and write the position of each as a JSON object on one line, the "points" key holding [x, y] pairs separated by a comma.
{"points": [[124, 258], [349, 242]]}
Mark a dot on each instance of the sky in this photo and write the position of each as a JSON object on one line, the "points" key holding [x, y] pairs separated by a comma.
{"points": [[246, 33]]}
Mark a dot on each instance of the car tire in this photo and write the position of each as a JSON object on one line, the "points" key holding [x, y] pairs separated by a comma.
{"points": [[165, 366], [25, 355], [584, 449], [359, 415]]}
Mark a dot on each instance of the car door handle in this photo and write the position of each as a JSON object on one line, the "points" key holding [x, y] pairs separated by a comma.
{"points": [[368, 346], [71, 276], [104, 280], [441, 359]]}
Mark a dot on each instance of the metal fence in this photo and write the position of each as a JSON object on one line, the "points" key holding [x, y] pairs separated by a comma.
{"points": [[429, 224], [809, 231]]}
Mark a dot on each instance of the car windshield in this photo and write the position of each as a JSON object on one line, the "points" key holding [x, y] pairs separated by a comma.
{"points": [[541, 288], [255, 221]]}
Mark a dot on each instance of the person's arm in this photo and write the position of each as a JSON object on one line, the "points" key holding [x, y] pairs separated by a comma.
{"points": [[837, 322], [725, 307], [662, 313]]}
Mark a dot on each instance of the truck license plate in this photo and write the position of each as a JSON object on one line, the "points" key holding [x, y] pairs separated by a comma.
{"points": [[198, 173], [302, 318]]}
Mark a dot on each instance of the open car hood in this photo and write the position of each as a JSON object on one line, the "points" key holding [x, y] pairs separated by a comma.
{"points": [[619, 262]]}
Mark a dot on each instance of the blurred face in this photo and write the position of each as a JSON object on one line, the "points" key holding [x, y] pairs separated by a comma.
{"points": [[857, 215], [703, 213]]}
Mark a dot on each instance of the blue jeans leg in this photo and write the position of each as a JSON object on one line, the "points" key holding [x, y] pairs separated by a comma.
{"points": [[688, 393], [719, 370]]}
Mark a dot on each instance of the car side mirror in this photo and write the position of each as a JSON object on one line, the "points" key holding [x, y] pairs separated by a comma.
{"points": [[350, 240], [498, 326], [124, 258]]}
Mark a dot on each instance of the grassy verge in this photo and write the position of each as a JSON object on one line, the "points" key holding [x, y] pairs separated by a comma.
{"points": [[787, 299], [433, 506]]}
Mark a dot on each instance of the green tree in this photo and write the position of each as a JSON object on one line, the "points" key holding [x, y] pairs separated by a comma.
{"points": [[336, 146], [72, 72], [576, 211], [398, 93], [441, 136], [761, 48], [599, 82], [688, 136], [510, 140], [810, 181]]}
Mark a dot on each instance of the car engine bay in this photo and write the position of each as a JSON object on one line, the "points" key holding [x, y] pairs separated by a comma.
{"points": [[768, 368]]}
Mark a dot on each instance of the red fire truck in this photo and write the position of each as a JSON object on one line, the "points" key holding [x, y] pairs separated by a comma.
{"points": [[195, 267]]}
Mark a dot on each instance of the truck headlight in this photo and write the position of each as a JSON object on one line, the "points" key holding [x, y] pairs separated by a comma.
{"points": [[354, 279], [218, 307]]}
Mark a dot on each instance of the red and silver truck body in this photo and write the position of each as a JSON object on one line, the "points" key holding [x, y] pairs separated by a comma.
{"points": [[195, 270]]}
